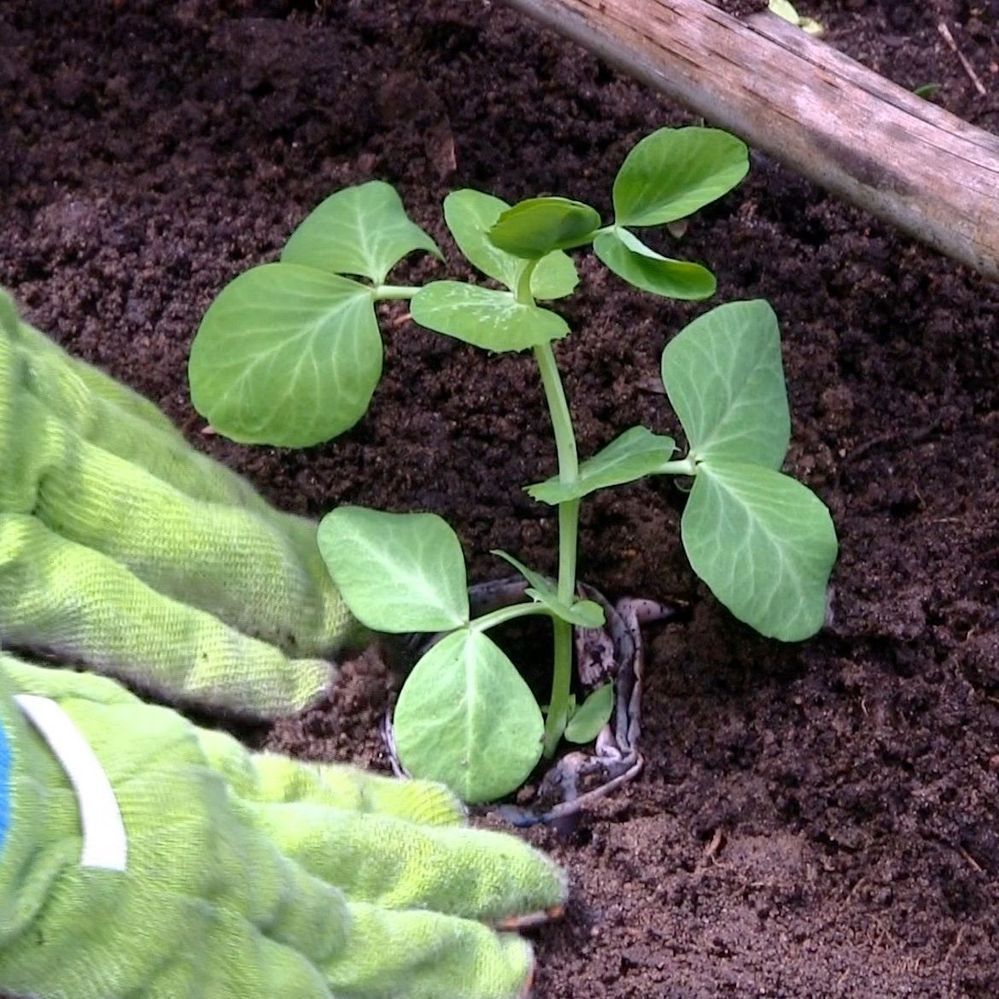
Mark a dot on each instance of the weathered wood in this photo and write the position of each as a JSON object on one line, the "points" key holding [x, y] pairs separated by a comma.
{"points": [[824, 115]]}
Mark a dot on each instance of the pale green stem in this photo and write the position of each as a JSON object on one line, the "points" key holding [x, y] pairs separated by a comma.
{"points": [[523, 293], [568, 532], [393, 292], [568, 525], [503, 614], [682, 466]]}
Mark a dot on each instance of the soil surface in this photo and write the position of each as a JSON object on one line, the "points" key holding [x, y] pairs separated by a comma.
{"points": [[815, 820]]}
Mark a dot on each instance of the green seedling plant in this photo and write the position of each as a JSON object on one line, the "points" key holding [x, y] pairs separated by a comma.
{"points": [[290, 354]]}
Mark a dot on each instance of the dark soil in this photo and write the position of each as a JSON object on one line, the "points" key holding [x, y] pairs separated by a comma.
{"points": [[816, 820]]}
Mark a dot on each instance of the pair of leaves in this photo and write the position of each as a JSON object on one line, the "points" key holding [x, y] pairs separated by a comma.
{"points": [[465, 715], [763, 542], [484, 317], [580, 613], [636, 453], [669, 175], [289, 353]]}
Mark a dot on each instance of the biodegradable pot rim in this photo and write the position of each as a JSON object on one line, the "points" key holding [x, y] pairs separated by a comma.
{"points": [[614, 759]]}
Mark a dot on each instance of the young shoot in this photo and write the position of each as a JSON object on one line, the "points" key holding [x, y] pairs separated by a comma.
{"points": [[290, 353]]}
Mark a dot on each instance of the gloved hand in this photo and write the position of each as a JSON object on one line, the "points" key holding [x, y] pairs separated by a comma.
{"points": [[160, 860], [122, 547]]}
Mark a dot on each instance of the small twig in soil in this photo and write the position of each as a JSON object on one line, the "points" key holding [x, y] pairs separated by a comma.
{"points": [[713, 848], [970, 859], [531, 919], [965, 62], [949, 956]]}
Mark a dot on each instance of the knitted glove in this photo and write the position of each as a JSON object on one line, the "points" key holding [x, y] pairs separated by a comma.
{"points": [[141, 856], [123, 547]]}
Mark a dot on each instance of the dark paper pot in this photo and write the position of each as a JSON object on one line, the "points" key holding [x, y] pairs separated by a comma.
{"points": [[611, 653]]}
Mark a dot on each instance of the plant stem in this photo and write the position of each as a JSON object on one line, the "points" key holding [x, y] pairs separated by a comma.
{"points": [[568, 525], [523, 294], [568, 532], [503, 614], [393, 292], [682, 466]]}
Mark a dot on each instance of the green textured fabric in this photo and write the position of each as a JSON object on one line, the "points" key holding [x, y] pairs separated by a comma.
{"points": [[248, 875], [168, 568]]}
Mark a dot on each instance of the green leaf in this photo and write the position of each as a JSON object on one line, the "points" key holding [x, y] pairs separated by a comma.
{"points": [[725, 379], [397, 572], [537, 226], [629, 258], [466, 718], [286, 355], [784, 10], [765, 545], [636, 453], [787, 11], [359, 230], [675, 171], [470, 215], [484, 318], [591, 716], [580, 613]]}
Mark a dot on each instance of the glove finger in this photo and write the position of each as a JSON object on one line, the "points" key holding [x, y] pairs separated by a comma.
{"points": [[221, 559], [229, 959], [426, 955], [268, 777], [118, 420], [98, 384], [91, 950], [397, 864], [61, 597], [219, 910]]}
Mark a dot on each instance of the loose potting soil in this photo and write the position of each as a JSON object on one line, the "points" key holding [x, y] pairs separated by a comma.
{"points": [[814, 820]]}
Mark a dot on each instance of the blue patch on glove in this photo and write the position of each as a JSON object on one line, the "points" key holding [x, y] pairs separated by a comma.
{"points": [[4, 785]]}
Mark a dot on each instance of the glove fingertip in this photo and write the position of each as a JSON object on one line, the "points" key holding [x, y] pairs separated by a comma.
{"points": [[427, 803], [8, 314]]}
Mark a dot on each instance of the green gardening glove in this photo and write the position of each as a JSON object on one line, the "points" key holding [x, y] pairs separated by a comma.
{"points": [[122, 547], [141, 856]]}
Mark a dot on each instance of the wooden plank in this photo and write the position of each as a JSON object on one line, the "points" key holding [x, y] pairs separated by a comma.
{"points": [[824, 115]]}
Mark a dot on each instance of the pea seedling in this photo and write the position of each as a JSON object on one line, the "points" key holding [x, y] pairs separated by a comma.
{"points": [[290, 354]]}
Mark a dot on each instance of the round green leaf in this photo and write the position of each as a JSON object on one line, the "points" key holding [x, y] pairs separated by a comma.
{"points": [[286, 355], [675, 171], [537, 226], [484, 318], [765, 545], [724, 376], [639, 265], [466, 717], [359, 230], [470, 215], [591, 716], [397, 572], [636, 453]]}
